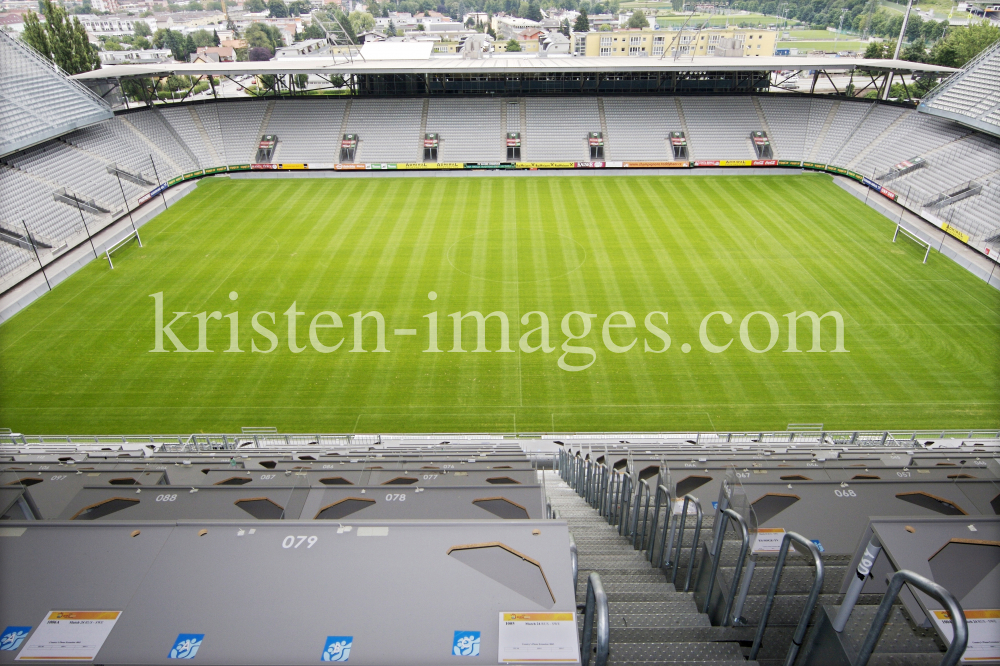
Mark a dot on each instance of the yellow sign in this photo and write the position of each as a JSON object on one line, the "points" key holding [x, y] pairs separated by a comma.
{"points": [[546, 165], [955, 232]]}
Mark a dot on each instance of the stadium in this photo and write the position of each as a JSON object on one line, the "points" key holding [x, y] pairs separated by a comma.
{"points": [[612, 332]]}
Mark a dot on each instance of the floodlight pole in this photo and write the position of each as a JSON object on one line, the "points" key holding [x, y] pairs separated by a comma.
{"points": [[125, 199], [158, 183], [27, 235], [899, 45], [76, 200]]}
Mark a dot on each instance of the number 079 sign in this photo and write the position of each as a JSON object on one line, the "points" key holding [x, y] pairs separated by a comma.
{"points": [[538, 637]]}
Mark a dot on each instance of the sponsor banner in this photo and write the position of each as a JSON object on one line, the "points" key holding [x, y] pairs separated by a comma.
{"points": [[175, 180], [706, 163], [814, 165], [957, 233], [152, 193], [212, 170], [764, 163], [658, 165], [380, 167], [855, 176], [239, 167], [292, 167], [838, 170], [422, 166], [193, 174], [884, 191], [729, 163], [789, 163], [264, 167], [736, 163], [321, 165], [350, 167], [489, 165], [613, 165], [589, 165], [545, 165]]}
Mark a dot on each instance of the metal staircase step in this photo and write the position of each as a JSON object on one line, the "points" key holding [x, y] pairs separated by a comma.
{"points": [[676, 653]]}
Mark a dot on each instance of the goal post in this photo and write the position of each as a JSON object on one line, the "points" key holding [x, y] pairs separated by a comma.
{"points": [[916, 239], [120, 244]]}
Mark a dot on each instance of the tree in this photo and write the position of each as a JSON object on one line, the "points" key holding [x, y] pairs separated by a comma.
{"points": [[876, 51], [215, 38], [915, 51], [254, 6], [513, 46], [203, 38], [213, 5], [62, 41], [141, 43], [301, 81], [259, 54], [277, 9], [195, 6], [313, 31], [299, 7], [638, 20], [361, 21], [141, 29], [582, 24], [260, 35], [391, 31], [534, 13], [963, 44], [564, 27]]}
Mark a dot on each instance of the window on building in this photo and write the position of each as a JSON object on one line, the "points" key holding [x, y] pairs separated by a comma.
{"points": [[658, 50], [634, 40]]}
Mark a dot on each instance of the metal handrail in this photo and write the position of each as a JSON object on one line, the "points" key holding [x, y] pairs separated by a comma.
{"points": [[597, 603], [624, 503], [680, 540], [574, 560], [800, 630], [636, 503], [960, 635], [548, 509], [661, 490], [600, 500], [745, 535], [645, 516]]}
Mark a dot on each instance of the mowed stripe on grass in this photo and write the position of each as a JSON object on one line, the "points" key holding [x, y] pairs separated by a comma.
{"points": [[923, 340]]}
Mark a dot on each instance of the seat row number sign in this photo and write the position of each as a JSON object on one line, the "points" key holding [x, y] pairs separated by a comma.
{"points": [[984, 633], [538, 638], [69, 636]]}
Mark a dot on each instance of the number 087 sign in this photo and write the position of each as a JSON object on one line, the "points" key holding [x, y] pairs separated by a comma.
{"points": [[538, 637]]}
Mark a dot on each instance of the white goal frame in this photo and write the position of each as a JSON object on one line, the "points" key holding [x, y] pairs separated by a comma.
{"points": [[121, 243], [912, 237]]}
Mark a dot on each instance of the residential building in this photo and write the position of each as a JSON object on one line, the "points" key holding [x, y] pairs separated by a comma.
{"points": [[508, 27], [136, 57], [654, 43]]}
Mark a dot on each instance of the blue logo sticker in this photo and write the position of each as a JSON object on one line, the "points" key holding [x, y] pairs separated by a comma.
{"points": [[819, 546], [12, 637], [186, 646], [466, 644], [337, 648], [715, 505]]}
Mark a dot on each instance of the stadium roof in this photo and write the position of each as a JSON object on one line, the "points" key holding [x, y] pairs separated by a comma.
{"points": [[330, 65], [971, 97], [38, 101]]}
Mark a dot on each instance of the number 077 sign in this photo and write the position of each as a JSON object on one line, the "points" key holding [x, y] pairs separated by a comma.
{"points": [[538, 638]]}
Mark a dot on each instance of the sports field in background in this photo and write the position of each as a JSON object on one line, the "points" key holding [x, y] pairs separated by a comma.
{"points": [[923, 341]]}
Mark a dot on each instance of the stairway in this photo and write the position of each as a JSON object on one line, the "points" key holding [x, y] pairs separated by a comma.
{"points": [[651, 623]]}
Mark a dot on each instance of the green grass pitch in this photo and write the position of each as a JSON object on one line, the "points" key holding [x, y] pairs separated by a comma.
{"points": [[923, 341]]}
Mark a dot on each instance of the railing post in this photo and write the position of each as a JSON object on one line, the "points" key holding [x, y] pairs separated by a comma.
{"points": [[661, 491], [960, 628], [745, 536], [800, 630], [597, 604], [680, 540]]}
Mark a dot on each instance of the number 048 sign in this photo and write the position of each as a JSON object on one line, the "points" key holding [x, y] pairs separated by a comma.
{"points": [[538, 637]]}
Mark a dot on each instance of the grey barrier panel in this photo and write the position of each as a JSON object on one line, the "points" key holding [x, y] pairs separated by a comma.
{"points": [[405, 589], [386, 464], [836, 513], [422, 503], [180, 502], [984, 496], [912, 473], [9, 496], [430, 476], [942, 549], [51, 492]]}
